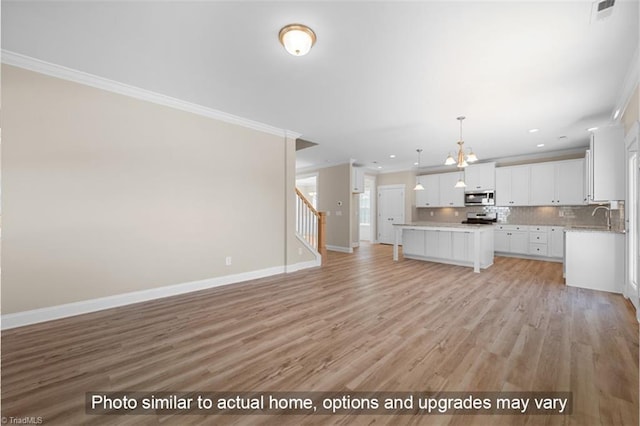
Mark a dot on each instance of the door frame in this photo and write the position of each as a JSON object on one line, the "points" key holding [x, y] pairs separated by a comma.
{"points": [[404, 202], [632, 220]]}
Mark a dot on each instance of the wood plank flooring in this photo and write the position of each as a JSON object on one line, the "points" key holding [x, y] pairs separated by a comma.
{"points": [[361, 323]]}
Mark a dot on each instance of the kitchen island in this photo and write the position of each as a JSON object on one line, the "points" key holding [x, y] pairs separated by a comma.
{"points": [[453, 243]]}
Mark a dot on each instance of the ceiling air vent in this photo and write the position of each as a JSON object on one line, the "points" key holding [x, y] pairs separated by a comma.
{"points": [[602, 9], [606, 4]]}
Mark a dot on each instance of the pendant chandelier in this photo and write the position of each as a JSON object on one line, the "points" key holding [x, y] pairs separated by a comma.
{"points": [[418, 186], [463, 159]]}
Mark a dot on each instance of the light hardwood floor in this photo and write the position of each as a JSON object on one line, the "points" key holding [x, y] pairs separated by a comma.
{"points": [[361, 323]]}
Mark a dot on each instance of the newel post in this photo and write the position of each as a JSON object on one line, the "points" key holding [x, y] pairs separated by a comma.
{"points": [[322, 224]]}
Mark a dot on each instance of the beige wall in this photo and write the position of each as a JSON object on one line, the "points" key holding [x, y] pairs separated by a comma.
{"points": [[631, 111], [104, 194], [334, 187]]}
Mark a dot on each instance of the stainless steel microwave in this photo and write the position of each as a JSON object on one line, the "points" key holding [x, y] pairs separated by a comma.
{"points": [[479, 198]]}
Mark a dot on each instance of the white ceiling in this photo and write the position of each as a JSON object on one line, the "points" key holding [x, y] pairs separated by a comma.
{"points": [[383, 78]]}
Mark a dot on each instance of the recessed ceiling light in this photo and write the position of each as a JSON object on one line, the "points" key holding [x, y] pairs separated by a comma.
{"points": [[392, 156], [616, 114], [533, 130], [379, 167], [415, 164], [540, 145], [591, 129]]}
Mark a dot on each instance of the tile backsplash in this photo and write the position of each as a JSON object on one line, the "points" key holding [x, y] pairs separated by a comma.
{"points": [[539, 215]]}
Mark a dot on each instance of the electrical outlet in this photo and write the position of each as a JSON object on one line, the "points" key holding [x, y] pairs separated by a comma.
{"points": [[431, 213], [455, 213], [227, 261], [560, 213]]}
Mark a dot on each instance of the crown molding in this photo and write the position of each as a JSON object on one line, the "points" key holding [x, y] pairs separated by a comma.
{"points": [[631, 81], [59, 71]]}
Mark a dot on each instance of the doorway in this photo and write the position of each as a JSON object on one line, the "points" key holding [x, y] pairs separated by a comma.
{"points": [[390, 211], [367, 210]]}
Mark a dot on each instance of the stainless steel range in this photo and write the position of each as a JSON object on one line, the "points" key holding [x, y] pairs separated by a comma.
{"points": [[481, 218]]}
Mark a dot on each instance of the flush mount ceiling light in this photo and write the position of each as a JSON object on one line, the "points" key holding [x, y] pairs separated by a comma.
{"points": [[297, 39], [418, 186], [463, 159]]}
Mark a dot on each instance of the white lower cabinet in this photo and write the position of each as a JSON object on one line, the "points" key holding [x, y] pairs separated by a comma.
{"points": [[538, 237], [444, 244], [534, 240], [556, 241], [413, 242], [459, 243], [512, 239], [431, 243]]}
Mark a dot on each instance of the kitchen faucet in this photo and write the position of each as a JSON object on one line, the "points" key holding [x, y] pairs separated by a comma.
{"points": [[607, 214]]}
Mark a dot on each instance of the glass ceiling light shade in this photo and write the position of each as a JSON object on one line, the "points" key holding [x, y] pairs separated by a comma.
{"points": [[449, 161], [460, 184], [297, 39], [462, 159], [418, 186]]}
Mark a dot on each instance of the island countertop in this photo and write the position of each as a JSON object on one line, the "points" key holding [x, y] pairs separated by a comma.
{"points": [[456, 243], [439, 225]]}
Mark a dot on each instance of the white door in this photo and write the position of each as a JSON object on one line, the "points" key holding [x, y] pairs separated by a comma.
{"points": [[390, 211]]}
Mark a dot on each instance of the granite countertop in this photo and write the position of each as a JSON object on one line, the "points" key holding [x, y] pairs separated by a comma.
{"points": [[588, 228], [445, 225]]}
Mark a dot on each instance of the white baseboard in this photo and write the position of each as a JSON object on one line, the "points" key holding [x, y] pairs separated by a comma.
{"points": [[340, 249], [34, 316], [303, 265], [530, 257]]}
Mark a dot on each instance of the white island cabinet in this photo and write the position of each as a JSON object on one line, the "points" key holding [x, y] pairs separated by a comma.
{"points": [[458, 244]]}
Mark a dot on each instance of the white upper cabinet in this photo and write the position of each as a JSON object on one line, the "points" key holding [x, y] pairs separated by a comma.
{"points": [[439, 190], [357, 180], [570, 184], [430, 196], [480, 177], [543, 184], [606, 165], [450, 196], [557, 183], [512, 186]]}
